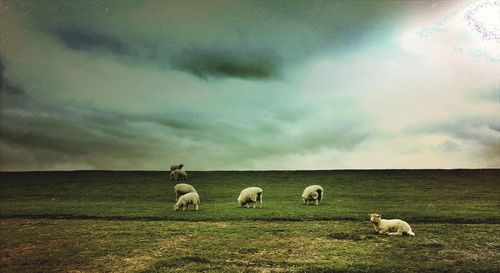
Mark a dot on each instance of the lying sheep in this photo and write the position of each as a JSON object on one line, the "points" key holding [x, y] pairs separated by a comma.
{"points": [[178, 174], [390, 227], [181, 189], [187, 199], [176, 167], [312, 193], [250, 195]]}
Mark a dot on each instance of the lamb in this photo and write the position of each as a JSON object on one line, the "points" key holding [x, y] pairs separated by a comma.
{"points": [[390, 227], [312, 193], [250, 196], [187, 199], [178, 174], [176, 167], [181, 189]]}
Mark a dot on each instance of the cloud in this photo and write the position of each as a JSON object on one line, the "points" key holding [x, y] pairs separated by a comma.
{"points": [[489, 94], [2, 79], [220, 64], [81, 39], [246, 40], [480, 131], [43, 134], [208, 63]]}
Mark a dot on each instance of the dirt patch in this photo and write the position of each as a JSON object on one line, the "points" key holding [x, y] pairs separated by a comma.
{"points": [[346, 236]]}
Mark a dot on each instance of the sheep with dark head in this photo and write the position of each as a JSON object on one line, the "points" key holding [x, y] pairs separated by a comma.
{"points": [[249, 196], [176, 167], [313, 193]]}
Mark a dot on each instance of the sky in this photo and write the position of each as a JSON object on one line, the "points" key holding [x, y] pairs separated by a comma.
{"points": [[249, 85]]}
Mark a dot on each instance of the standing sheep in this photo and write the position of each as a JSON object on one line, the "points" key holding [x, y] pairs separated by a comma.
{"points": [[181, 189], [187, 199], [250, 195], [390, 227], [176, 167], [312, 193], [178, 174]]}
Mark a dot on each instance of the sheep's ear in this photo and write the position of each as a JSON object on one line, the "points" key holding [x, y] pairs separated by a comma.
{"points": [[379, 215]]}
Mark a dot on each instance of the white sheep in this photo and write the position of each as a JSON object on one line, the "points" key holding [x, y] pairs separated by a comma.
{"points": [[390, 227], [250, 196], [175, 167], [313, 193], [181, 189], [178, 174], [187, 199]]}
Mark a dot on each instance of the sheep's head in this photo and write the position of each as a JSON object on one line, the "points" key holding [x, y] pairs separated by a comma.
{"points": [[180, 166], [176, 207], [375, 217], [314, 195]]}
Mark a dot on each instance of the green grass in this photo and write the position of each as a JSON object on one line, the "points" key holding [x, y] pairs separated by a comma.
{"points": [[124, 222]]}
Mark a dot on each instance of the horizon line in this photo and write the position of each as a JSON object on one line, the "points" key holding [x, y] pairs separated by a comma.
{"points": [[268, 170]]}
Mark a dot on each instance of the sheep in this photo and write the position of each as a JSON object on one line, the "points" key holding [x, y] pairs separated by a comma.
{"points": [[176, 167], [178, 174], [250, 195], [312, 193], [181, 189], [390, 227], [187, 199]]}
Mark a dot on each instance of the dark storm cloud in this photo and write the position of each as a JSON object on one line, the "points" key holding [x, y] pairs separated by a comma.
{"points": [[2, 68], [219, 64], [52, 134], [6, 86], [41, 134], [45, 134], [250, 40], [245, 64], [82, 39]]}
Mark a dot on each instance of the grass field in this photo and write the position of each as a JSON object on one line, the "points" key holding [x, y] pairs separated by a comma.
{"points": [[94, 221]]}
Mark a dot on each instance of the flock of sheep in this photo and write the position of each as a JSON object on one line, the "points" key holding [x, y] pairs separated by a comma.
{"points": [[186, 195]]}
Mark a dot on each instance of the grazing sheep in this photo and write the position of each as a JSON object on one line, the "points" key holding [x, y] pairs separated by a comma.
{"points": [[390, 227], [312, 193], [187, 199], [250, 195], [178, 174], [176, 167], [181, 189]]}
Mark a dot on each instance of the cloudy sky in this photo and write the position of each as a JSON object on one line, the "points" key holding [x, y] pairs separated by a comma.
{"points": [[249, 85]]}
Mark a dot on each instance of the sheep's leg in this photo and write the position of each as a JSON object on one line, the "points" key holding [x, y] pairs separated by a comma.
{"points": [[398, 232], [316, 202], [253, 203], [303, 200], [383, 231], [195, 206], [248, 205]]}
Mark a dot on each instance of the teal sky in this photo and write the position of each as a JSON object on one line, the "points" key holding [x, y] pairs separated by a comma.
{"points": [[249, 85]]}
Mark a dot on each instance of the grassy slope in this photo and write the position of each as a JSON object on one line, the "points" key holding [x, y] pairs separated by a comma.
{"points": [[438, 205], [444, 196]]}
